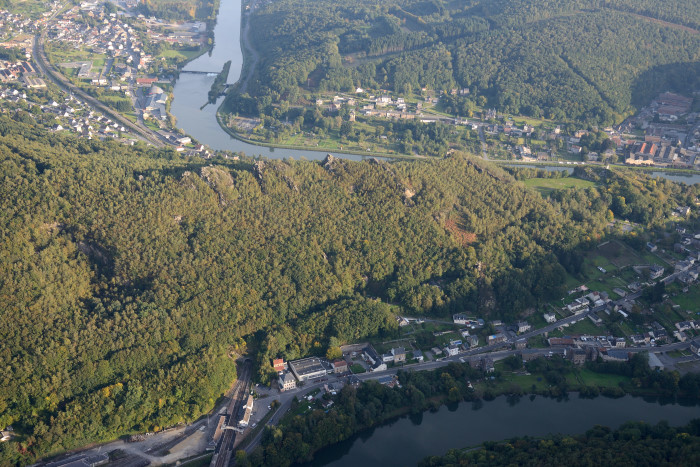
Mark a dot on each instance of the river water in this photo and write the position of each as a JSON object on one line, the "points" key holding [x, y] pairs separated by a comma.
{"points": [[191, 92], [409, 439]]}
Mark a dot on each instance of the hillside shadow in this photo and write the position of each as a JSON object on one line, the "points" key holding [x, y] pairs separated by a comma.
{"points": [[683, 78]]}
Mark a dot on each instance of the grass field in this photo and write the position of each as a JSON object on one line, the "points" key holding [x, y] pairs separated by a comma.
{"points": [[547, 185], [689, 301], [590, 378], [584, 327], [618, 254]]}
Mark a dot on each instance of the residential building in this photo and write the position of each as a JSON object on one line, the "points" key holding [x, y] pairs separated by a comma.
{"points": [[620, 343], [418, 355], [680, 335], [487, 365], [286, 381], [523, 326], [616, 355], [560, 342], [279, 365], [577, 306], [399, 355], [639, 339], [684, 325], [451, 350], [577, 356], [473, 341], [460, 318], [340, 366], [695, 346], [655, 271], [371, 355], [550, 318], [521, 344], [496, 338]]}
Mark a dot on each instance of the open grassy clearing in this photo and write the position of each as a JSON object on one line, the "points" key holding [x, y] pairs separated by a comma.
{"points": [[689, 301], [547, 185], [590, 378], [584, 327]]}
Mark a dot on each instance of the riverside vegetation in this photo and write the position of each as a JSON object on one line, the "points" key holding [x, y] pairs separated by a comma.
{"points": [[299, 437], [633, 443], [131, 277]]}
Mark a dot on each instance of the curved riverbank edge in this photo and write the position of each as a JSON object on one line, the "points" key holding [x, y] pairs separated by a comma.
{"points": [[242, 138], [435, 403]]}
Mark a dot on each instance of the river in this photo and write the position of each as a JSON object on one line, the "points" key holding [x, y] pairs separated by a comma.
{"points": [[191, 92], [409, 439]]}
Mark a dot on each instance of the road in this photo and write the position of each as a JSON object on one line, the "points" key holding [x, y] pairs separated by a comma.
{"points": [[51, 73], [222, 457], [253, 53], [483, 142]]}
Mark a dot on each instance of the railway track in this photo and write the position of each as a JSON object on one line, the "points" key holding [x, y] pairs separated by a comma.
{"points": [[222, 456], [48, 71]]}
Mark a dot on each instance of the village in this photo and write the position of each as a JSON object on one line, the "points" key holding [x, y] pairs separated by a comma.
{"points": [[612, 323], [665, 134], [129, 61]]}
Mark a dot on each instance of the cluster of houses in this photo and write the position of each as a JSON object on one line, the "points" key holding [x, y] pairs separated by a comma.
{"points": [[688, 269], [71, 114], [671, 137], [15, 71], [12, 24], [108, 36], [379, 362], [587, 303]]}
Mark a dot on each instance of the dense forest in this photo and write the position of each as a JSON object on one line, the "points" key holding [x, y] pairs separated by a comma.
{"points": [[585, 61], [634, 443], [131, 277]]}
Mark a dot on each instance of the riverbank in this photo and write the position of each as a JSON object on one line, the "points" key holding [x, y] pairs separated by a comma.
{"points": [[242, 138], [416, 393]]}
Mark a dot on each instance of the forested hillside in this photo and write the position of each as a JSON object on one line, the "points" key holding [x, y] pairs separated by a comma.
{"points": [[633, 443], [130, 277], [578, 60]]}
